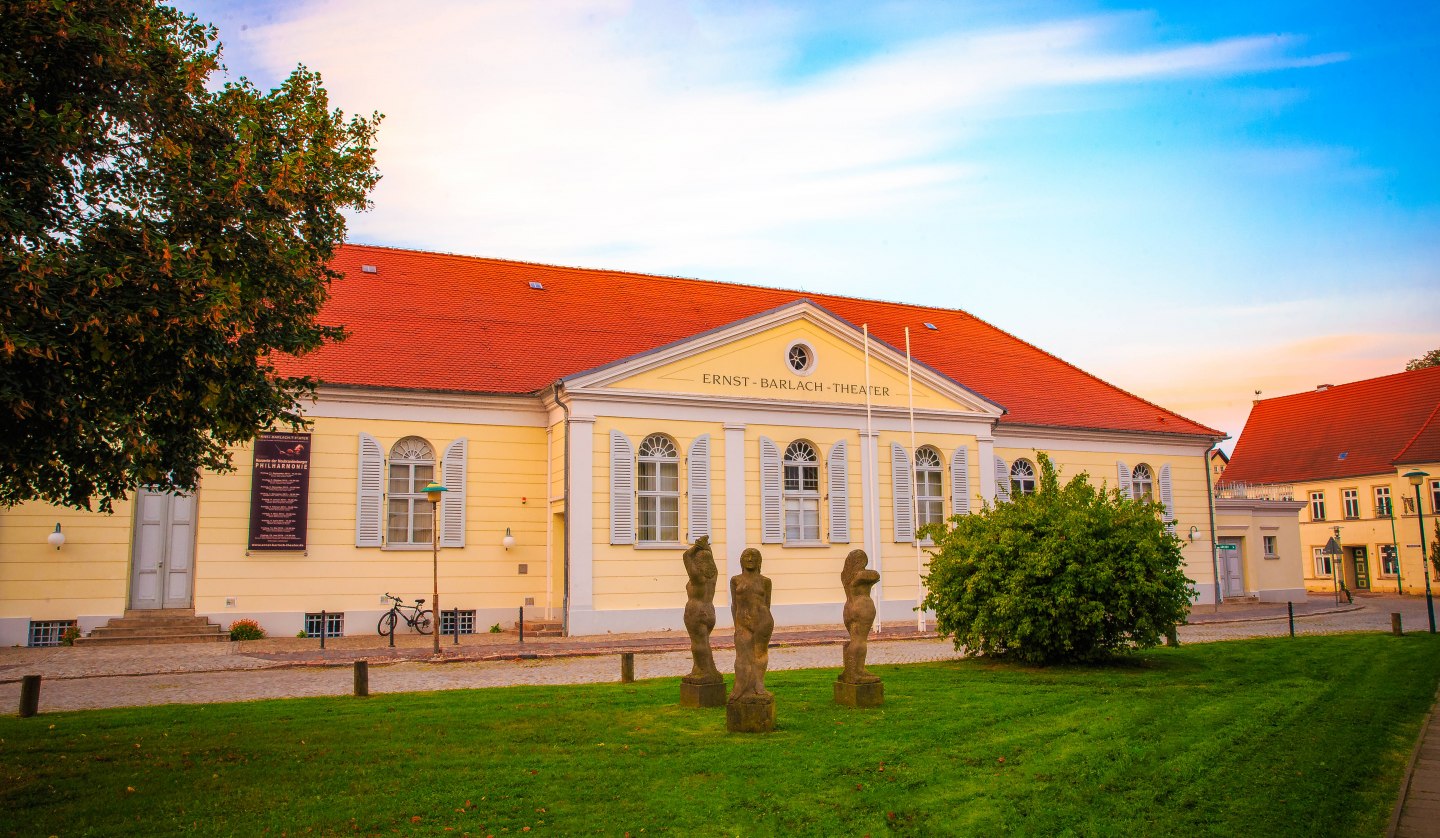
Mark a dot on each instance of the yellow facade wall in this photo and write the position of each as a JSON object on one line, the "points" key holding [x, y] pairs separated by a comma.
{"points": [[87, 576], [1369, 529]]}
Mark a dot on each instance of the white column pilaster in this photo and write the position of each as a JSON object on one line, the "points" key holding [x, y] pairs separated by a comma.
{"points": [[987, 468], [870, 516], [580, 527], [734, 504]]}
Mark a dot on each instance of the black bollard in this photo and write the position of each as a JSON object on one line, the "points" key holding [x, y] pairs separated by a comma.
{"points": [[457, 626], [522, 624], [323, 626], [627, 667], [1290, 606], [362, 678], [29, 696], [1395, 624], [394, 628]]}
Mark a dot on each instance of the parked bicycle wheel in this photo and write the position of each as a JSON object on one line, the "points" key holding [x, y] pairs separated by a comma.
{"points": [[387, 623], [425, 621]]}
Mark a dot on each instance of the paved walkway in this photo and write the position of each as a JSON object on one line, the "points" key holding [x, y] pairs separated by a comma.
{"points": [[1418, 814]]}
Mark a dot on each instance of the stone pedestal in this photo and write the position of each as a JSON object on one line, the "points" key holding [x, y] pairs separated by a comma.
{"points": [[860, 695], [702, 695], [750, 716]]}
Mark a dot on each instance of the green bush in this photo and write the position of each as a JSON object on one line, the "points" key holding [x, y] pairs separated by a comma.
{"points": [[1068, 573], [246, 630]]}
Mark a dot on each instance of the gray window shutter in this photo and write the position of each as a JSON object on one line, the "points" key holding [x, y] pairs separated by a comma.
{"points": [[452, 503], [1002, 480], [698, 486], [839, 477], [369, 493], [1122, 472], [960, 481], [1167, 497], [901, 481], [622, 489], [772, 516]]}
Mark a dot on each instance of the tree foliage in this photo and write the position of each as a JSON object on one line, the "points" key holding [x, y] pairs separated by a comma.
{"points": [[163, 239], [1429, 359], [1068, 573]]}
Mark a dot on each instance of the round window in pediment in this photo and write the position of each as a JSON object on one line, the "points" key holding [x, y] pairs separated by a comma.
{"points": [[801, 358]]}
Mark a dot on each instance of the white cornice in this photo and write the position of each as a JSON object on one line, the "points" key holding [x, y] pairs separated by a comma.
{"points": [[652, 399], [1009, 435], [338, 402]]}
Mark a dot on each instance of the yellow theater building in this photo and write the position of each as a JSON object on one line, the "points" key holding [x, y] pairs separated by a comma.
{"points": [[587, 425], [1341, 454]]}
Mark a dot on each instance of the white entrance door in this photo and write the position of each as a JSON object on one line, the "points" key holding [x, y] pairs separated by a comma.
{"points": [[162, 557], [1230, 567]]}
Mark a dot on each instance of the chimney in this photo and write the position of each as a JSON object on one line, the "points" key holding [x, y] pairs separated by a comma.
{"points": [[1320, 388]]}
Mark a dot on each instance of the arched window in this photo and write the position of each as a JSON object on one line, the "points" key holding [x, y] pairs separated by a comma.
{"points": [[802, 493], [659, 489], [1142, 483], [409, 518], [1022, 478], [929, 504]]}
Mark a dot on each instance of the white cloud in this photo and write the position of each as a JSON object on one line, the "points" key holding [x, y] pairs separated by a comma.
{"points": [[562, 130]]}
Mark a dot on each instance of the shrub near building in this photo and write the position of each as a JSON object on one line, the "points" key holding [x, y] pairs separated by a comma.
{"points": [[1063, 574]]}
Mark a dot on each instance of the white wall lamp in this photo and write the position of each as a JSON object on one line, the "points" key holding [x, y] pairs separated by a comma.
{"points": [[1194, 531], [56, 539], [509, 540]]}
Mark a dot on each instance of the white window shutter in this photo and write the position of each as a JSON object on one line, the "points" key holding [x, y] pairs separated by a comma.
{"points": [[698, 486], [1002, 480], [901, 481], [839, 477], [622, 489], [369, 493], [772, 517], [1122, 472], [960, 480], [1167, 498], [452, 503]]}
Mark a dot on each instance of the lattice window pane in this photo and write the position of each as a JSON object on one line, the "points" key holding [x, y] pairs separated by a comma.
{"points": [[334, 624], [467, 622], [49, 632]]}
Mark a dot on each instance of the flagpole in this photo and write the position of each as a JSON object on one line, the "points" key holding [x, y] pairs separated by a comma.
{"points": [[914, 491], [869, 466]]}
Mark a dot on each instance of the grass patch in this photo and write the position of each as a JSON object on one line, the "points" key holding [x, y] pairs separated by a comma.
{"points": [[1304, 736]]}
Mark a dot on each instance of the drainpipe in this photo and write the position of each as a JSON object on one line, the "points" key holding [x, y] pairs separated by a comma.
{"points": [[565, 603], [1214, 560]]}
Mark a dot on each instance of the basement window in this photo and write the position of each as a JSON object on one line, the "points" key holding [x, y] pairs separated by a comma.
{"points": [[467, 621], [334, 624], [49, 632]]}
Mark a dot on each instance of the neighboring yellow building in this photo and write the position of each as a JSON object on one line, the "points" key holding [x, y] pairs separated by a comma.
{"points": [[587, 425], [1342, 453]]}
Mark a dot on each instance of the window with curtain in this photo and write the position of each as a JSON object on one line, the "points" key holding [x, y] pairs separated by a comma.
{"points": [[1022, 478], [1142, 483], [801, 491], [409, 518], [658, 490], [929, 503]]}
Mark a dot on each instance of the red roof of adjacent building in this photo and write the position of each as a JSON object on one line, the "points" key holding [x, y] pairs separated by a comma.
{"points": [[502, 336], [1365, 427]]}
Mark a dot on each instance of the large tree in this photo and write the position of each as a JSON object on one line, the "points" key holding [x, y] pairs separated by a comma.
{"points": [[163, 238], [1429, 359]]}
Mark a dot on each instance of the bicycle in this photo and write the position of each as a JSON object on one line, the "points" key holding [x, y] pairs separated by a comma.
{"points": [[421, 621]]}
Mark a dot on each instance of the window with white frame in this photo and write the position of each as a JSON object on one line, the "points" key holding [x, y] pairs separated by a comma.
{"points": [[1351, 499], [1022, 478], [1271, 549], [658, 490], [801, 491], [409, 518], [1389, 560], [1322, 562], [1434, 497], [1317, 506], [929, 502], [1142, 483], [1383, 507]]}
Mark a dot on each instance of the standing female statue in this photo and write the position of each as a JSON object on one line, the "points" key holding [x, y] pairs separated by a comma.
{"points": [[750, 607], [700, 615], [859, 616]]}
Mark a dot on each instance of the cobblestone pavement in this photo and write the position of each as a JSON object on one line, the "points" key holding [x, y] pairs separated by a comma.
{"points": [[90, 677]]}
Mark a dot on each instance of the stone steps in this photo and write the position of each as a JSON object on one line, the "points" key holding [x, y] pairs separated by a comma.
{"points": [[169, 625], [541, 628]]}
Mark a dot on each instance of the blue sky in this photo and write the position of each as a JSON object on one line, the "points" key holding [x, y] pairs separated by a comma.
{"points": [[1193, 201]]}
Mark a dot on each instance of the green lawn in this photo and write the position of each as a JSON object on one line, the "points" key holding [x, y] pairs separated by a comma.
{"points": [[1304, 736]]}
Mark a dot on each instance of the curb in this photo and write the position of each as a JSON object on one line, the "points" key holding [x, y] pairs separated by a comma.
{"points": [[1340, 610]]}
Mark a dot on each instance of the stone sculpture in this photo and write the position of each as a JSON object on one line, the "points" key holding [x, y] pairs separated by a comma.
{"points": [[704, 686], [857, 686], [751, 709]]}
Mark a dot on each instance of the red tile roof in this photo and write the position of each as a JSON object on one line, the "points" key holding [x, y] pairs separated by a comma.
{"points": [[502, 336], [1365, 427]]}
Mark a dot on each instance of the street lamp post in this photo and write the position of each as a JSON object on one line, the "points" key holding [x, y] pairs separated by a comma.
{"points": [[1416, 478], [433, 492]]}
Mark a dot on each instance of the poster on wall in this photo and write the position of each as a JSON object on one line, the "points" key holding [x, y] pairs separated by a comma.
{"points": [[280, 492]]}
